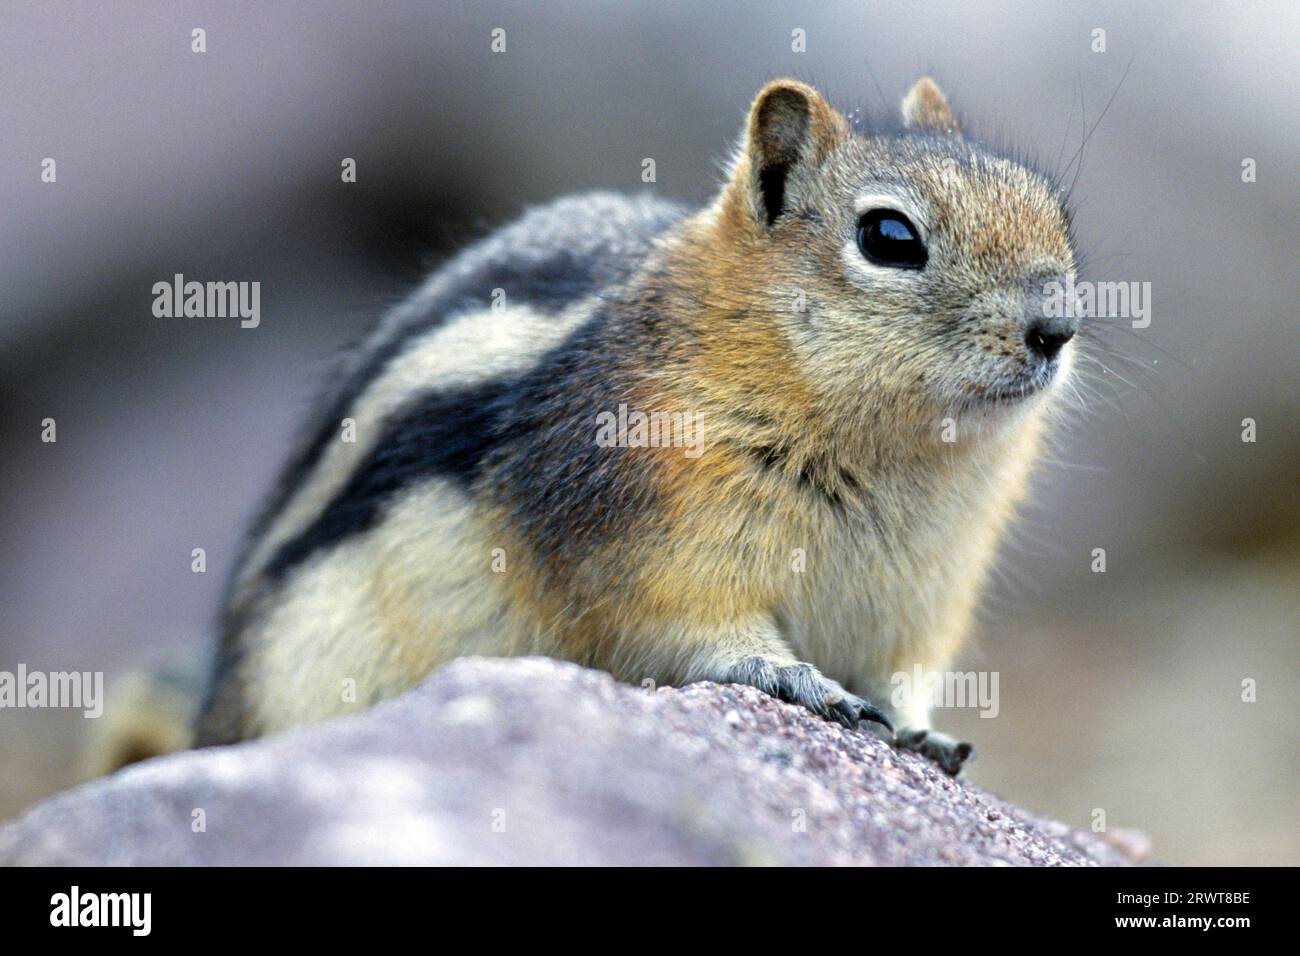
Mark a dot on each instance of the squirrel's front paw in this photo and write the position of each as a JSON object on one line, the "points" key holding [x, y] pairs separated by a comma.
{"points": [[948, 753], [803, 684]]}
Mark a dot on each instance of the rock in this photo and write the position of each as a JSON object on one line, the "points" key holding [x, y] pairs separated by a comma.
{"points": [[531, 761]]}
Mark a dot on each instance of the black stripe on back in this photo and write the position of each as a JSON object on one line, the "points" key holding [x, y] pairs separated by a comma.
{"points": [[527, 442], [445, 434], [546, 277]]}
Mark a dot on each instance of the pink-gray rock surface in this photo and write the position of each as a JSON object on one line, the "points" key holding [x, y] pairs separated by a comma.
{"points": [[536, 762]]}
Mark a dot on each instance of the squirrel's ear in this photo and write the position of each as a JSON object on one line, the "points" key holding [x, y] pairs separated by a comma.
{"points": [[790, 130], [925, 107]]}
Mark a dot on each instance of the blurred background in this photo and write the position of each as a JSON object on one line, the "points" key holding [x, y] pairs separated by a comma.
{"points": [[1120, 691]]}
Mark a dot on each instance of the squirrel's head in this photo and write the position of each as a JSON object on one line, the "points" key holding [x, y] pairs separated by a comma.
{"points": [[910, 271]]}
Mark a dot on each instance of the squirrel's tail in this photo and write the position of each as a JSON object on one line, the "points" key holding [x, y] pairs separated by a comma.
{"points": [[146, 714]]}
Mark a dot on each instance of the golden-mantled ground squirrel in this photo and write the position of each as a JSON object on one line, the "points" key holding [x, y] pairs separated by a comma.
{"points": [[772, 442]]}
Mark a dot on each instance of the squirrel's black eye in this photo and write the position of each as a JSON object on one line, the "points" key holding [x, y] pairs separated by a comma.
{"points": [[888, 238]]}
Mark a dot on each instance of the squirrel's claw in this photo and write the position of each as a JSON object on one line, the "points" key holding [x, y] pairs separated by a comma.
{"points": [[855, 709], [803, 684]]}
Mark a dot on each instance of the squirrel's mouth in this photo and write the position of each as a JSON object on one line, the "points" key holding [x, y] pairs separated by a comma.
{"points": [[1013, 392]]}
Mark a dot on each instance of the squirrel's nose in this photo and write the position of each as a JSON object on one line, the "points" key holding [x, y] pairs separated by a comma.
{"points": [[1046, 337]]}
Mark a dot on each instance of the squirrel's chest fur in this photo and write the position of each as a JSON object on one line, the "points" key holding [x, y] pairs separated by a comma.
{"points": [[473, 512], [895, 585]]}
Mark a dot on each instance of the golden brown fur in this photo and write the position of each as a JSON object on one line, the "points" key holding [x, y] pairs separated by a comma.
{"points": [[829, 521]]}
